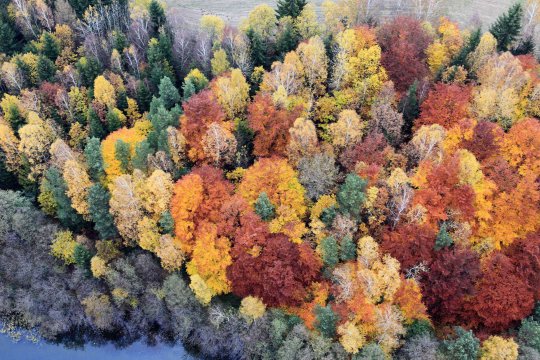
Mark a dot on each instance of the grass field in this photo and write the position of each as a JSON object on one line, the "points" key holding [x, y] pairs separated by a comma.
{"points": [[233, 11]]}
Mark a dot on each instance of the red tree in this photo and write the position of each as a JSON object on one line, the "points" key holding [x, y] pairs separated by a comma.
{"points": [[448, 283], [200, 111], [525, 255], [410, 244], [404, 42], [372, 150], [445, 105], [485, 142], [502, 298], [269, 266], [271, 126]]}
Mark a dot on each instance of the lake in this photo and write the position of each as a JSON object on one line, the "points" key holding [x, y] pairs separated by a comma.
{"points": [[27, 350]]}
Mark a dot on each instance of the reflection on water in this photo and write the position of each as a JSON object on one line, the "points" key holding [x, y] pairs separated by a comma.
{"points": [[27, 350]]}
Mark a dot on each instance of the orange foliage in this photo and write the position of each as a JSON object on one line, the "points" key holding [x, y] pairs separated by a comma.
{"points": [[445, 105]]}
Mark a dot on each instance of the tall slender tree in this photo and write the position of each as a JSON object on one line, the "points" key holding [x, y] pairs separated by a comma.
{"points": [[507, 27]]}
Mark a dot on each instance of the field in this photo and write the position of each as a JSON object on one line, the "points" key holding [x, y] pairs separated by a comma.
{"points": [[465, 11]]}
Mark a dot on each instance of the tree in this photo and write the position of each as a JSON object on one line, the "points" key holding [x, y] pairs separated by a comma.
{"points": [[252, 307], [318, 174], [219, 62], [122, 153], [351, 196], [94, 160], [264, 208], [63, 247], [410, 109], [443, 238], [496, 347], [411, 244], [326, 321], [445, 105], [291, 8], [58, 188], [330, 251], [507, 27], [465, 346], [348, 130], [157, 15], [270, 125], [36, 138], [529, 333], [168, 93], [125, 207], [232, 93], [104, 92], [98, 207], [78, 182]]}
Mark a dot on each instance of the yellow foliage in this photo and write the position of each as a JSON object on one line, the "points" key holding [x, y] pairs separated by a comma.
{"points": [[9, 144], [78, 183], [155, 192], [169, 253], [131, 136], [104, 92], [63, 247], [202, 292], [252, 307], [438, 56], [148, 234], [316, 225], [98, 266], [348, 129], [350, 337], [219, 62], [498, 348], [214, 26], [36, 138], [232, 92]]}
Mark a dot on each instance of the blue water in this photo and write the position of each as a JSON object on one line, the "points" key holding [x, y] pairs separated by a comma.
{"points": [[26, 350]]}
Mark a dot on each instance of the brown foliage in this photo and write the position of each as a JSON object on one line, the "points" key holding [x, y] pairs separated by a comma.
{"points": [[410, 244], [445, 105], [525, 255], [271, 126]]}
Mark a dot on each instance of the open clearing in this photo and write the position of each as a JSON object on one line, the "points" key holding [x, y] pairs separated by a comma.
{"points": [[235, 10]]}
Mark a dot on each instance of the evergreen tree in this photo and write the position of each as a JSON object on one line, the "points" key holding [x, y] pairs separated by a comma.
{"points": [[89, 69], [94, 158], [122, 153], [328, 215], [464, 347], [157, 15], [122, 99], [64, 211], [347, 249], [330, 251], [168, 93], [96, 128], [418, 328], [443, 238], [526, 46], [291, 8], [507, 27], [82, 258], [9, 36], [326, 321], [351, 196], [410, 108], [287, 40], [166, 223], [45, 68], [161, 119], [113, 121], [188, 90], [264, 208], [98, 206], [258, 49], [461, 58], [50, 47], [140, 158], [144, 96], [244, 140], [80, 6]]}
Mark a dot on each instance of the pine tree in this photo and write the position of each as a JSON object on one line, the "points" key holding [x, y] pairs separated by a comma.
{"points": [[264, 208], [140, 158], [96, 127], [328, 215], [50, 46], [351, 196], [157, 15], [166, 223], [98, 206], [113, 121], [122, 153], [347, 249], [330, 251], [144, 97], [291, 8], [188, 89], [461, 58], [82, 258], [326, 321], [121, 99], [168, 93], [507, 27], [526, 46], [410, 108], [258, 49], [94, 158], [65, 212], [45, 68], [443, 238], [287, 40]]}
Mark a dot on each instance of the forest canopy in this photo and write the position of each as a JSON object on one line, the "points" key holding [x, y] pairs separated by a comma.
{"points": [[313, 184]]}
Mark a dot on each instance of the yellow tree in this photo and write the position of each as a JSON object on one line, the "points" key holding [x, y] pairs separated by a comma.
{"points": [[252, 307], [498, 348], [351, 337], [131, 136], [219, 62], [125, 207], [210, 259], [219, 145], [278, 180], [232, 92], [154, 192], [9, 144], [313, 57], [262, 20], [348, 130], [36, 138], [285, 77], [485, 50], [307, 23], [78, 183], [303, 140], [104, 92]]}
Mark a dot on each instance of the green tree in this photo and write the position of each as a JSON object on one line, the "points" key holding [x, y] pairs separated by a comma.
{"points": [[472, 43], [418, 328], [166, 223], [50, 46], [140, 158], [326, 320], [113, 120], [96, 128], [82, 258], [288, 39], [347, 249], [507, 27], [330, 251], [89, 69], [168, 93], [264, 208], [291, 8], [410, 108], [45, 68], [94, 158], [371, 351], [122, 153], [157, 15], [351, 196], [98, 206], [443, 238], [529, 333], [64, 211], [258, 49], [464, 346]]}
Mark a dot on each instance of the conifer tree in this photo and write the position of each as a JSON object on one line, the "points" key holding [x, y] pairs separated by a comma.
{"points": [[94, 158], [410, 108], [140, 158], [98, 206], [330, 251], [64, 211], [351, 196], [291, 8], [326, 321], [264, 208], [50, 46], [96, 128], [443, 238], [347, 249], [157, 15], [461, 58], [507, 27], [122, 153], [168, 93]]}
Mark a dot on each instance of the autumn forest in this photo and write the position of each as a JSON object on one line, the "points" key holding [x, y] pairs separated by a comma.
{"points": [[316, 183]]}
